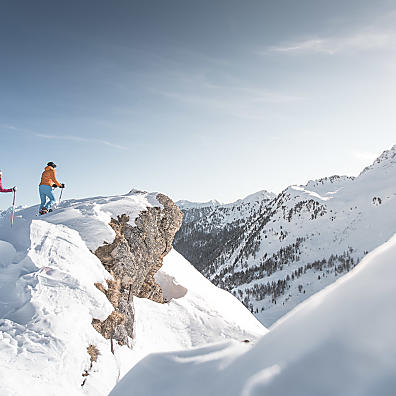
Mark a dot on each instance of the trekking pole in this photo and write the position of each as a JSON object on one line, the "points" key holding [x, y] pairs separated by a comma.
{"points": [[60, 196], [13, 211], [111, 342]]}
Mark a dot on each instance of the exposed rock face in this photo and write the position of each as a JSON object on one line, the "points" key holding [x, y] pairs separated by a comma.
{"points": [[133, 258]]}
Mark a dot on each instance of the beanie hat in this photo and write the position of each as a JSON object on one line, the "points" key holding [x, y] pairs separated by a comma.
{"points": [[51, 164]]}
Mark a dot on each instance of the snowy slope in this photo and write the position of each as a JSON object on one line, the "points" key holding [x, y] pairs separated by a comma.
{"points": [[198, 313], [48, 300], [339, 342], [300, 241]]}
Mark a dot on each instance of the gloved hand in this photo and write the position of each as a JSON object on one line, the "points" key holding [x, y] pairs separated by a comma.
{"points": [[14, 188], [54, 185], [62, 185]]}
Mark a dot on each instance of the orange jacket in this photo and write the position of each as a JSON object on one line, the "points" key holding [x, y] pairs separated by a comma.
{"points": [[48, 177]]}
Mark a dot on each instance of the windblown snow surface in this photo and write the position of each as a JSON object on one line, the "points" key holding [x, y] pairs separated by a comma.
{"points": [[339, 342], [48, 300]]}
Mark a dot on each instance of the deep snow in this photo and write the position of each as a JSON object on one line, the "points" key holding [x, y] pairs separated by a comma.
{"points": [[341, 341], [48, 300]]}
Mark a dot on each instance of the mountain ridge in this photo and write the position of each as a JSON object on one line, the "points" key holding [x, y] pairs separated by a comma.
{"points": [[291, 246]]}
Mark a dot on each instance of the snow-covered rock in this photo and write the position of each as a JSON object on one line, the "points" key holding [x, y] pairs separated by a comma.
{"points": [[48, 300], [340, 342]]}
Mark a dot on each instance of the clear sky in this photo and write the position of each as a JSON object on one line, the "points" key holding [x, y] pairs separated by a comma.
{"points": [[196, 99]]}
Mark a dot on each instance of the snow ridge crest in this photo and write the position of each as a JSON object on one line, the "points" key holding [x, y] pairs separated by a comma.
{"points": [[385, 160]]}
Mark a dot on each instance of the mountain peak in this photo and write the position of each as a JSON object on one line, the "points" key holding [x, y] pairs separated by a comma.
{"points": [[385, 160], [185, 204], [263, 194]]}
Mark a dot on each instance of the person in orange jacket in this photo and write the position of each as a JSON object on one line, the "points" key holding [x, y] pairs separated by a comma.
{"points": [[48, 180]]}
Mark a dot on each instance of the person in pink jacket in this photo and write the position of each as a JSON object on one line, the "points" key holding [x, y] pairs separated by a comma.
{"points": [[5, 189]]}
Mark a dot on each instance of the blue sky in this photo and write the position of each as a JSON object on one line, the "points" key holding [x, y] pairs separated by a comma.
{"points": [[196, 99]]}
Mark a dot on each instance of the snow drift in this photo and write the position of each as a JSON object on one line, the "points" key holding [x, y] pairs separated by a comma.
{"points": [[341, 341]]}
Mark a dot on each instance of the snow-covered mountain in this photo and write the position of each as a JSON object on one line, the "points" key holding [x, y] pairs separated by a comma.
{"points": [[245, 202], [340, 342], [280, 251], [206, 228], [89, 290], [184, 204]]}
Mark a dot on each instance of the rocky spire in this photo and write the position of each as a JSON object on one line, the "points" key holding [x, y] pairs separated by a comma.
{"points": [[133, 258]]}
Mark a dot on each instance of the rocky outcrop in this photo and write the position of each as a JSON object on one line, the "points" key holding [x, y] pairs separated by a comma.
{"points": [[133, 258]]}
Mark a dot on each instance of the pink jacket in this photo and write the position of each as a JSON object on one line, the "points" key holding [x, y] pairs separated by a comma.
{"points": [[4, 189]]}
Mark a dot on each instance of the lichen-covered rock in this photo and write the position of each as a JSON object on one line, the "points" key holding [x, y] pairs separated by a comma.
{"points": [[133, 258]]}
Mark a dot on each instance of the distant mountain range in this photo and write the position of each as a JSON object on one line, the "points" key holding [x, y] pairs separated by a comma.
{"points": [[273, 251]]}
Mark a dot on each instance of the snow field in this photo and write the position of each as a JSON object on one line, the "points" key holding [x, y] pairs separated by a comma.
{"points": [[46, 328]]}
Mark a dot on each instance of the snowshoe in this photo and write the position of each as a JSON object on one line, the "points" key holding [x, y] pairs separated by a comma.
{"points": [[43, 211]]}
